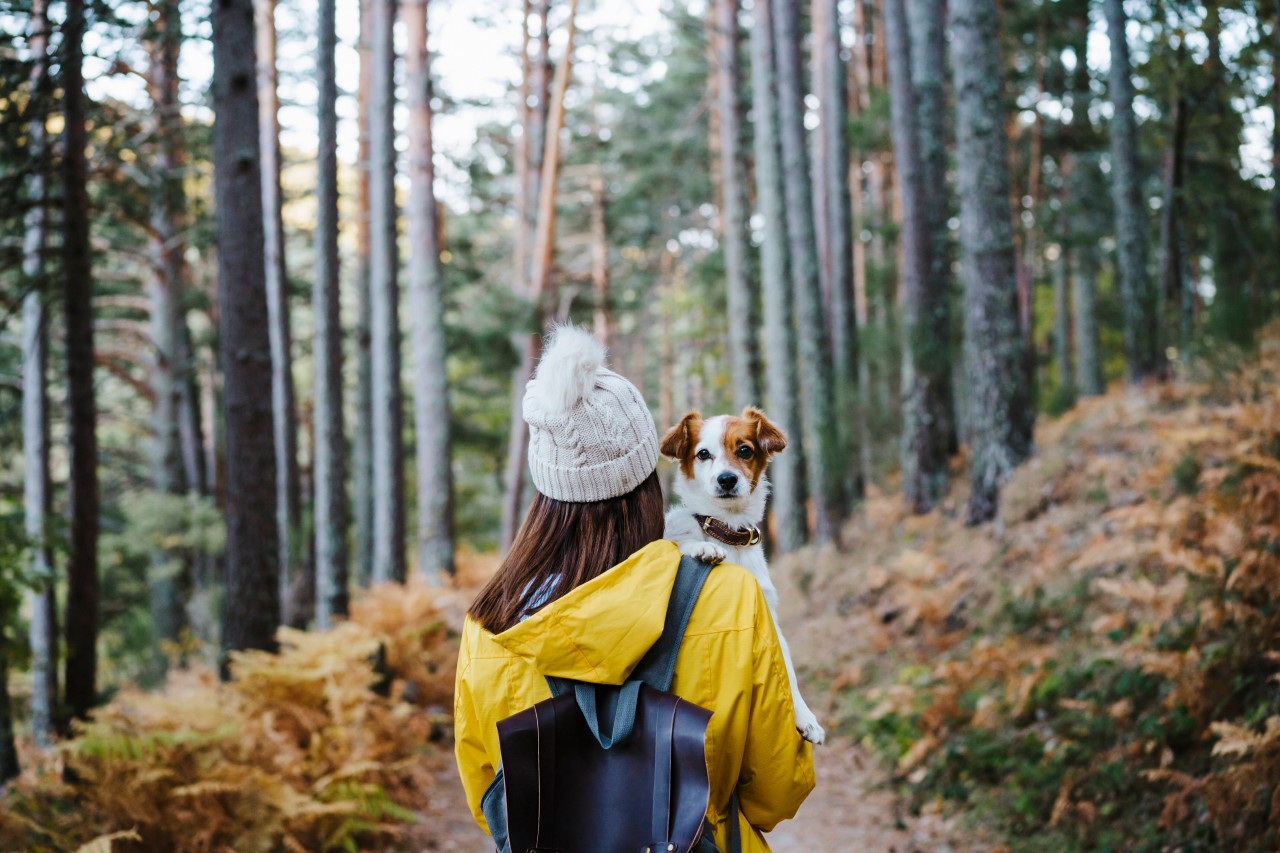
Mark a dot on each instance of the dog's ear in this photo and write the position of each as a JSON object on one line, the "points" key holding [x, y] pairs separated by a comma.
{"points": [[677, 443], [769, 438]]}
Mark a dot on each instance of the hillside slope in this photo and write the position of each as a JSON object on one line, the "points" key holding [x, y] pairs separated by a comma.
{"points": [[1096, 670]]}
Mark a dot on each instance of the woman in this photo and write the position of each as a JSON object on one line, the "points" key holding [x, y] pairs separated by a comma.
{"points": [[583, 594]]}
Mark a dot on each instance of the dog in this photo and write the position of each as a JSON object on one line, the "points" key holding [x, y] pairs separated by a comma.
{"points": [[723, 488]]}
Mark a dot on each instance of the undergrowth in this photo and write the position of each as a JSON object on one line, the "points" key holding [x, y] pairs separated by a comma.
{"points": [[1099, 671], [322, 746]]}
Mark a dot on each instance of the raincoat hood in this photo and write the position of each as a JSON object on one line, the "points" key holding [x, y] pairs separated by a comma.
{"points": [[599, 631]]}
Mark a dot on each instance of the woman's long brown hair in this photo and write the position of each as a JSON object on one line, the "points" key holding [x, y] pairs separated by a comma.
{"points": [[572, 543]]}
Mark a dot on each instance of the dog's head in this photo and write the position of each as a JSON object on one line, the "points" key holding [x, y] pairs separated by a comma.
{"points": [[726, 455]]}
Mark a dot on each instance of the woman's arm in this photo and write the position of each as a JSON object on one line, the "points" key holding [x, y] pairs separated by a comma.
{"points": [[777, 765], [468, 741]]}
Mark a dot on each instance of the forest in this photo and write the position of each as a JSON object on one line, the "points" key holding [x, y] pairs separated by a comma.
{"points": [[273, 276]]}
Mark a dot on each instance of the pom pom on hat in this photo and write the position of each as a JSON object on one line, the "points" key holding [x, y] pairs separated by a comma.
{"points": [[566, 374]]}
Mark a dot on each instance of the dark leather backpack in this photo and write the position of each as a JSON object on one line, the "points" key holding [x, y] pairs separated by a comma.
{"points": [[610, 769]]}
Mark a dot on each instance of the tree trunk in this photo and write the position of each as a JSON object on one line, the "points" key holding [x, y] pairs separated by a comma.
{"points": [[1170, 290], [384, 299], [542, 198], [426, 295], [927, 25], [829, 85], [330, 453], [164, 291], [1275, 125], [825, 467], [1131, 220], [924, 368], [296, 588], [37, 491], [785, 471], [8, 752], [603, 316], [1062, 325], [251, 595], [1083, 221], [82, 413], [1083, 178], [362, 450], [740, 283], [1000, 399]]}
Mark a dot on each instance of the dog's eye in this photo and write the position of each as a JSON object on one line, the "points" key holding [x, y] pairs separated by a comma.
{"points": [[745, 452], [704, 454]]}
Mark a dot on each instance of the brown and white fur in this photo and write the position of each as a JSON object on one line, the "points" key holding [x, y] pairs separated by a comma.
{"points": [[722, 474]]}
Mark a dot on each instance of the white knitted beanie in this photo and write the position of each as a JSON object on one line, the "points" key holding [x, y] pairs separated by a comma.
{"points": [[591, 436]]}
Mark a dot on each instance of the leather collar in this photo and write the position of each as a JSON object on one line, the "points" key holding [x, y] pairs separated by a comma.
{"points": [[738, 537]]}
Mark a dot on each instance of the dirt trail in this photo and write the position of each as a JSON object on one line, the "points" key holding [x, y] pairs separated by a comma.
{"points": [[845, 812]]}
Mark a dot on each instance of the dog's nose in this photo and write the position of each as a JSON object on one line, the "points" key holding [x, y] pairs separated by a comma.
{"points": [[727, 480]]}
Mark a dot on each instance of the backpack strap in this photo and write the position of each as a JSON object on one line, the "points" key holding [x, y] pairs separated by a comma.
{"points": [[658, 666]]}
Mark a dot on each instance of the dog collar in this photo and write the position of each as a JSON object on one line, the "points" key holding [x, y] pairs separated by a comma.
{"points": [[738, 537]]}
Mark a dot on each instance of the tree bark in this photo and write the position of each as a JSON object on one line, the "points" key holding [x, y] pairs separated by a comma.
{"points": [[825, 467], [426, 294], [829, 85], [786, 470], [9, 767], [330, 453], [1062, 325], [384, 327], [924, 367], [1084, 178], [927, 24], [82, 413], [296, 588], [1275, 126], [164, 291], [362, 450], [37, 490], [251, 596], [740, 283], [1000, 399], [1171, 284], [1131, 220]]}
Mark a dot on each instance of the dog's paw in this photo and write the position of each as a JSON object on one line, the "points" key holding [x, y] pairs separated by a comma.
{"points": [[707, 552], [807, 725]]}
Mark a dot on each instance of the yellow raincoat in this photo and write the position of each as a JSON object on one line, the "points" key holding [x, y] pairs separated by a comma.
{"points": [[730, 663]]}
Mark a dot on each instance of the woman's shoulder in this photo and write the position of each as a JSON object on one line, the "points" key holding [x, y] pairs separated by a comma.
{"points": [[731, 600]]}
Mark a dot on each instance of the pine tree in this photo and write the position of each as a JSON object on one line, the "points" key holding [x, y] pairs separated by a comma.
{"points": [[785, 471], [739, 281], [251, 595], [37, 489], [384, 327], [1131, 221], [426, 285], [82, 409], [362, 441], [832, 146], [927, 24], [995, 371], [824, 467], [924, 371], [330, 454], [296, 590], [165, 294]]}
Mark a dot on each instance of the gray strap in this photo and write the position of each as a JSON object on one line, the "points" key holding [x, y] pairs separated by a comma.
{"points": [[735, 831], [658, 666]]}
